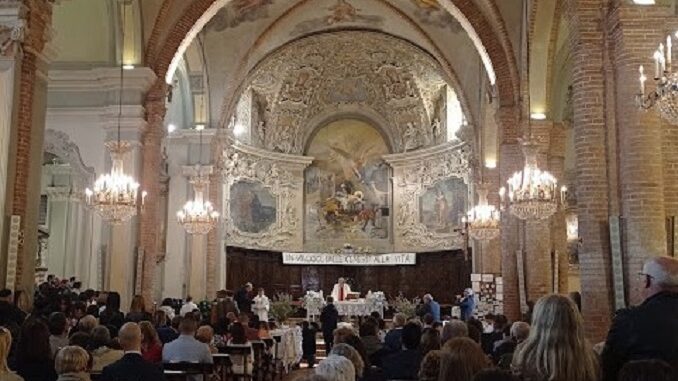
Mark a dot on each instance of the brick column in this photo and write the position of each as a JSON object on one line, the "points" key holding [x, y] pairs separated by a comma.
{"points": [[149, 228], [633, 29], [556, 165], [28, 124], [510, 160], [588, 83], [537, 245], [490, 252]]}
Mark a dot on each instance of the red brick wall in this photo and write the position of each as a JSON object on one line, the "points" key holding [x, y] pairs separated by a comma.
{"points": [[634, 32], [586, 41], [27, 137]]}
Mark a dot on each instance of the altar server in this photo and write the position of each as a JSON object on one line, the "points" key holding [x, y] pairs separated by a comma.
{"points": [[261, 305], [341, 290]]}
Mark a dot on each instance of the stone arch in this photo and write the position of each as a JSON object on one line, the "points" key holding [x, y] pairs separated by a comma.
{"points": [[496, 49]]}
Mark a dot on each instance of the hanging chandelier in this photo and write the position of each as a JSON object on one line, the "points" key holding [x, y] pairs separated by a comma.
{"points": [[665, 94], [198, 216], [532, 193], [483, 219], [115, 195]]}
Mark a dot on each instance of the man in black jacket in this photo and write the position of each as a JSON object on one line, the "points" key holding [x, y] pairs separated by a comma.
{"points": [[329, 317], [404, 365], [131, 367], [650, 330], [244, 298]]}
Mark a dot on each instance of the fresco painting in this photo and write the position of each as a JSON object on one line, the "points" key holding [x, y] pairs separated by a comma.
{"points": [[347, 188], [443, 205], [253, 207]]}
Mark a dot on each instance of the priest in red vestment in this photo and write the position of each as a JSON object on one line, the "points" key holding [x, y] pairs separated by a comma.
{"points": [[341, 290]]}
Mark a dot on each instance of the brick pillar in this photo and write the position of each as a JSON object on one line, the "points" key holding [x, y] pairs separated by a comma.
{"points": [[490, 252], [539, 265], [588, 83], [149, 228], [670, 154], [24, 169], [510, 160], [641, 168], [556, 165]]}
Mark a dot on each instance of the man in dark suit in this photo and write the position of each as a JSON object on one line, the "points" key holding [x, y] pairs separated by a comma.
{"points": [[244, 298], [392, 341], [329, 317], [650, 330], [131, 367], [404, 365]]}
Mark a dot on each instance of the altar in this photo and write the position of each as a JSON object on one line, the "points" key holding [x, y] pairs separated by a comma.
{"points": [[373, 301], [358, 307]]}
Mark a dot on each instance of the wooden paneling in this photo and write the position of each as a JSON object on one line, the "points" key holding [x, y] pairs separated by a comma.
{"points": [[443, 274]]}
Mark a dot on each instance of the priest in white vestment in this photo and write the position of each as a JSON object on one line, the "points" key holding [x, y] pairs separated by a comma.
{"points": [[341, 290], [261, 305]]}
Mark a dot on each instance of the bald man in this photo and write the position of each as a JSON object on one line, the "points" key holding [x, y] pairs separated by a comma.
{"points": [[131, 367], [650, 330]]}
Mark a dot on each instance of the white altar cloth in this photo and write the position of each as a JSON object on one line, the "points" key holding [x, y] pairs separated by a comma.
{"points": [[289, 350], [358, 307]]}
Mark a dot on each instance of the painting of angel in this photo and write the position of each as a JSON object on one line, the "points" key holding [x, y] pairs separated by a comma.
{"points": [[347, 188]]}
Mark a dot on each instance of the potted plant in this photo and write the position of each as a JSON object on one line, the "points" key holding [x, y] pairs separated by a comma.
{"points": [[281, 307], [405, 306]]}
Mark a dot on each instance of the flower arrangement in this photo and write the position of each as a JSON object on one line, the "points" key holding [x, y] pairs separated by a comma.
{"points": [[405, 306], [377, 300], [313, 302], [281, 307]]}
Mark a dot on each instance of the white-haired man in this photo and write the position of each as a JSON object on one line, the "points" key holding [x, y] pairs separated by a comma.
{"points": [[650, 330], [429, 307], [341, 290]]}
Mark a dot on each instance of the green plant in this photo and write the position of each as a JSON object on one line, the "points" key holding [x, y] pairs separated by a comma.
{"points": [[281, 307], [405, 306]]}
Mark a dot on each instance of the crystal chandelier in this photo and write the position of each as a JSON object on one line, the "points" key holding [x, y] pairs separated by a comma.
{"points": [[198, 216], [665, 94], [483, 219], [115, 195], [532, 193]]}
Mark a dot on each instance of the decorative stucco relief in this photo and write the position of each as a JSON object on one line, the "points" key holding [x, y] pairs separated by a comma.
{"points": [[416, 173], [368, 70], [11, 35], [279, 177], [59, 144]]}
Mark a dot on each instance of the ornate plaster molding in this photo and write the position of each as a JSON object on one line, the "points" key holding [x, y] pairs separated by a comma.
{"points": [[327, 72], [59, 144], [12, 34], [274, 172], [415, 173]]}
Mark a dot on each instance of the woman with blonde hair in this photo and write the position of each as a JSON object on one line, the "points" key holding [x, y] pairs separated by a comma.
{"points": [[5, 344], [352, 354], [71, 364], [466, 358], [556, 349]]}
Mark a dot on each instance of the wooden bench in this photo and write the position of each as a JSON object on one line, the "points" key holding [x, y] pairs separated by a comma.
{"points": [[222, 365], [184, 370], [239, 351]]}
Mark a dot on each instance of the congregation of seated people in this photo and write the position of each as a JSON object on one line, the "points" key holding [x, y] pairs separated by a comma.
{"points": [[70, 336]]}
